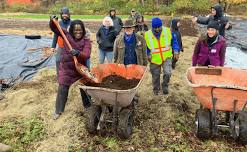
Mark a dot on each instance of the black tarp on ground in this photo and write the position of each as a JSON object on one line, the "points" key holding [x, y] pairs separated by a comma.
{"points": [[21, 58]]}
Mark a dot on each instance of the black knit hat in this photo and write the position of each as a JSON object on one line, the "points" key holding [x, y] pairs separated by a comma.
{"points": [[213, 24]]}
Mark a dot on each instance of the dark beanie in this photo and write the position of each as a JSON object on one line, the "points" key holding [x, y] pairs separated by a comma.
{"points": [[213, 24]]}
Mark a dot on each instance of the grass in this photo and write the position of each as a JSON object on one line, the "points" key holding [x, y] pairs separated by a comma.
{"points": [[21, 133], [46, 16]]}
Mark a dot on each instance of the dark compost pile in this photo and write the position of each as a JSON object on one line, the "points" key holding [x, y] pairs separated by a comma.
{"points": [[116, 82]]}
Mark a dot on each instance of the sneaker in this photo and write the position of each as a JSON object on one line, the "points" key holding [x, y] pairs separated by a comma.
{"points": [[56, 116]]}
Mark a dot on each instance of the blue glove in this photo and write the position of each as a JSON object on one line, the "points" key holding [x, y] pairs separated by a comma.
{"points": [[75, 52]]}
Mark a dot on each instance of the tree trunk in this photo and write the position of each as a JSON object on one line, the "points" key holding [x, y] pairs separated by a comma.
{"points": [[142, 2], [157, 3]]}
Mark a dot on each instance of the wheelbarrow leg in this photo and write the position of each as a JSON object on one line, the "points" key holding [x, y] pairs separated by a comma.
{"points": [[115, 118], [102, 117], [233, 123], [214, 119]]}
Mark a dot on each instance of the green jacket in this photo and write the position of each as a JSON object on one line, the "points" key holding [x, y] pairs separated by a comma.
{"points": [[119, 50]]}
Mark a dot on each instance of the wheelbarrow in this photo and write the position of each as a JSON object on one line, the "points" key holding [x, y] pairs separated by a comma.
{"points": [[220, 90], [113, 109]]}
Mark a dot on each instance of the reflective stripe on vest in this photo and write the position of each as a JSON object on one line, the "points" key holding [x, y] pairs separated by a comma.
{"points": [[160, 49]]}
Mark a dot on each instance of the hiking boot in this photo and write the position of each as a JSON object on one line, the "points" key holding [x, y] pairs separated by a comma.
{"points": [[165, 92], [156, 92], [56, 116]]}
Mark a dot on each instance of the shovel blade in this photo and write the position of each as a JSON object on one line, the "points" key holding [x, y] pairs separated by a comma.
{"points": [[84, 71]]}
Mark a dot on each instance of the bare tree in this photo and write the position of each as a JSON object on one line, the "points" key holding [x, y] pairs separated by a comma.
{"points": [[142, 2]]}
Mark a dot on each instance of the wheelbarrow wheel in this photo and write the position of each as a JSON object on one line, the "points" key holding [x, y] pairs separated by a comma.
{"points": [[125, 123], [242, 138], [93, 117], [203, 123]]}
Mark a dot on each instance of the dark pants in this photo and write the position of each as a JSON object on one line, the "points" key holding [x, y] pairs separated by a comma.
{"points": [[156, 71], [174, 61], [62, 96]]}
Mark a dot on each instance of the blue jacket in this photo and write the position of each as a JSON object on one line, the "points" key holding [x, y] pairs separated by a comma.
{"points": [[175, 45], [64, 25]]}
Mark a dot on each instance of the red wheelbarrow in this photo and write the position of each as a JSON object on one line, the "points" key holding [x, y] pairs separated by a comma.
{"points": [[218, 90], [113, 109]]}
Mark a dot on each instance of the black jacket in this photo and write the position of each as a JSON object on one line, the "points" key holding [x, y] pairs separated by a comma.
{"points": [[176, 31], [106, 42], [219, 17], [117, 23]]}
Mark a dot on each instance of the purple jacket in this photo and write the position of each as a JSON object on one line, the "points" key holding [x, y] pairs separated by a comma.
{"points": [[215, 55], [67, 71]]}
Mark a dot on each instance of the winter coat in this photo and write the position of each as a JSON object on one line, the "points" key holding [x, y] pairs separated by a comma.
{"points": [[117, 23], [176, 31], [67, 71], [219, 17], [215, 53], [106, 41], [119, 50]]}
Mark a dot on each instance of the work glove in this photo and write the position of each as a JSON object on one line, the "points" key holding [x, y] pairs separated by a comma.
{"points": [[53, 16], [75, 52]]}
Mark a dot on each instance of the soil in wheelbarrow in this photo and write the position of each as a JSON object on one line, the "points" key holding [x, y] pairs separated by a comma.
{"points": [[117, 82]]}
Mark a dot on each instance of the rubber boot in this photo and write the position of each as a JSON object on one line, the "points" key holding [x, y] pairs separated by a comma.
{"points": [[61, 100]]}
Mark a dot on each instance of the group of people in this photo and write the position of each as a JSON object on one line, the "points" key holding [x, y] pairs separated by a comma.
{"points": [[132, 42]]}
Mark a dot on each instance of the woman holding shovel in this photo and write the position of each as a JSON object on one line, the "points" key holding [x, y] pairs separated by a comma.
{"points": [[68, 74]]}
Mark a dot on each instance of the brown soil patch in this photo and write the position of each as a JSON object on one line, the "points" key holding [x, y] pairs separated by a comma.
{"points": [[117, 82], [187, 27]]}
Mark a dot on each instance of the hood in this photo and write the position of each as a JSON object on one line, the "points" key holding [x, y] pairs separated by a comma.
{"points": [[174, 23], [219, 12]]}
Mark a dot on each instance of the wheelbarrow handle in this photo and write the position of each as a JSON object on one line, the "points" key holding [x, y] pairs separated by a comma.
{"points": [[64, 37]]}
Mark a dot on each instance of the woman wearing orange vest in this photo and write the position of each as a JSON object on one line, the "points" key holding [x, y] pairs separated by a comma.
{"points": [[161, 43]]}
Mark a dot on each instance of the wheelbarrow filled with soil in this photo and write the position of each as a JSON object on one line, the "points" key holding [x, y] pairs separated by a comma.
{"points": [[222, 93], [114, 98]]}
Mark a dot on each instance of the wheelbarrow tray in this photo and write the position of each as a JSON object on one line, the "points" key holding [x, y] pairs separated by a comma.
{"points": [[113, 97], [226, 86]]}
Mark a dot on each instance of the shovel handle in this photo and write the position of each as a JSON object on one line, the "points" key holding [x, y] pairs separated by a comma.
{"points": [[64, 37]]}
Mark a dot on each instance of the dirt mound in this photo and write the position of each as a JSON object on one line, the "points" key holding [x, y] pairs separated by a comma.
{"points": [[116, 82]]}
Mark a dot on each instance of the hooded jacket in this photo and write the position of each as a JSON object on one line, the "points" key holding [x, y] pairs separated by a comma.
{"points": [[176, 31], [219, 17]]}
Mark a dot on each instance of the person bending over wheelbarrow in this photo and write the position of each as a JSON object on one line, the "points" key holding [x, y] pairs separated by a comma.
{"points": [[67, 70]]}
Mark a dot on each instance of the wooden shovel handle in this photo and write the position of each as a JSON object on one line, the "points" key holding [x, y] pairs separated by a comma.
{"points": [[64, 38]]}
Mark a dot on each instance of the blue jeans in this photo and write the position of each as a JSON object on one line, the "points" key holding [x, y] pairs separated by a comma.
{"points": [[88, 62], [105, 54]]}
